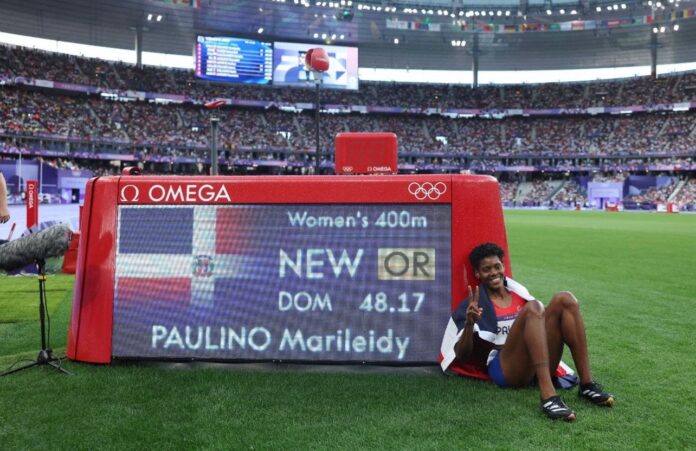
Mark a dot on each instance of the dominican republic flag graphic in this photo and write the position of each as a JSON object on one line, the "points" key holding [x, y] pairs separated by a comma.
{"points": [[174, 255], [293, 282]]}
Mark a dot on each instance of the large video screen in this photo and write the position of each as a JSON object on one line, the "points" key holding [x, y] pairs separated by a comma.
{"points": [[234, 60], [339, 282], [289, 68]]}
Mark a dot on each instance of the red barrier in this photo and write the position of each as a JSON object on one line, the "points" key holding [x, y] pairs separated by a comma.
{"points": [[70, 256], [32, 202]]}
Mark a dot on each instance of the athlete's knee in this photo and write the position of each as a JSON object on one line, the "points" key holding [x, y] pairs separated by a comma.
{"points": [[564, 300], [533, 308]]}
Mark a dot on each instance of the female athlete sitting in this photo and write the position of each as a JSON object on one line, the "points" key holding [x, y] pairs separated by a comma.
{"points": [[522, 339]]}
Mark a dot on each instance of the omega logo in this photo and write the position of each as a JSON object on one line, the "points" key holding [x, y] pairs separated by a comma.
{"points": [[131, 190]]}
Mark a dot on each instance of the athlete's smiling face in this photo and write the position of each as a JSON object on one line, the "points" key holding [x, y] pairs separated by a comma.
{"points": [[491, 272]]}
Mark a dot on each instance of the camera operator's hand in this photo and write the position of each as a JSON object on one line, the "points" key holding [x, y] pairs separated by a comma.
{"points": [[4, 214]]}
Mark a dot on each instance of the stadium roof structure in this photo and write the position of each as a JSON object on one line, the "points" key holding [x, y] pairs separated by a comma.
{"points": [[513, 35]]}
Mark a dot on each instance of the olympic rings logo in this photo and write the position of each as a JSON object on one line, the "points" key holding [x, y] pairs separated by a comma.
{"points": [[427, 190]]}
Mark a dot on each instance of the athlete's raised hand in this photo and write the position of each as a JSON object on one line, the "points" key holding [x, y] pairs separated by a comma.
{"points": [[473, 312]]}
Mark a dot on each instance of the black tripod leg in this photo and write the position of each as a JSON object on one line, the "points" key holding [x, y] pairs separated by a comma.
{"points": [[20, 368], [59, 368]]}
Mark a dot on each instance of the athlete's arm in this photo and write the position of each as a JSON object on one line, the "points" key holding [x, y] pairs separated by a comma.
{"points": [[465, 345]]}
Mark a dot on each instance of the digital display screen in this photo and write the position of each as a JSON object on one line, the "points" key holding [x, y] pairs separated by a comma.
{"points": [[303, 282], [289, 66], [234, 60]]}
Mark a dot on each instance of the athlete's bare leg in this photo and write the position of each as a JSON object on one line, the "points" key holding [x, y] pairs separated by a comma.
{"points": [[564, 325], [525, 353]]}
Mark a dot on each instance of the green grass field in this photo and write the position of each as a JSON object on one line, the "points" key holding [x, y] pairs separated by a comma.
{"points": [[633, 273]]}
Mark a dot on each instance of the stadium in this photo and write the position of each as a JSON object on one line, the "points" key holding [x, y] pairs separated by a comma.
{"points": [[217, 286]]}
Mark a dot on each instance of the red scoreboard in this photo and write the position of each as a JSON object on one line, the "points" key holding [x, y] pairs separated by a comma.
{"points": [[309, 269]]}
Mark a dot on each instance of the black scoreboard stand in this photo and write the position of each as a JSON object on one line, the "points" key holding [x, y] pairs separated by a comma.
{"points": [[45, 356], [214, 124]]}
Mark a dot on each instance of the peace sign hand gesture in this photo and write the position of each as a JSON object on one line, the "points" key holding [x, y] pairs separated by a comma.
{"points": [[473, 312]]}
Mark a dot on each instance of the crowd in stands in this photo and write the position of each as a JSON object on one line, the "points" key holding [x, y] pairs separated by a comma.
{"points": [[184, 129], [609, 177], [35, 64], [652, 194], [686, 198], [571, 195], [540, 192], [508, 191]]}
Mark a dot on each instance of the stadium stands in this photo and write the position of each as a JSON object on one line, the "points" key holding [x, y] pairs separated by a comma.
{"points": [[174, 136]]}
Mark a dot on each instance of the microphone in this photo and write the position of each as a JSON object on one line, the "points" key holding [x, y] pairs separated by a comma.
{"points": [[50, 242]]}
